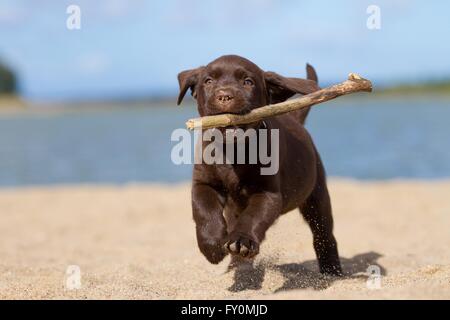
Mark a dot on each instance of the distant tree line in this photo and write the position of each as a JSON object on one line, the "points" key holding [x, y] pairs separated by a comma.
{"points": [[8, 80]]}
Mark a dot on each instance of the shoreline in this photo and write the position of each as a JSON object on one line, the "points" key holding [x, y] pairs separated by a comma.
{"points": [[54, 108], [186, 183]]}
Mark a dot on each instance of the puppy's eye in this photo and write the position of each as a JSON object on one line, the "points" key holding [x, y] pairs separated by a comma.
{"points": [[208, 81], [248, 82]]}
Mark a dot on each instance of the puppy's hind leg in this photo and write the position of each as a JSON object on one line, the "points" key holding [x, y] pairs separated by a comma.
{"points": [[317, 212]]}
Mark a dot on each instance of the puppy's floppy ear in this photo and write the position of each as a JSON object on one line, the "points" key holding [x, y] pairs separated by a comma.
{"points": [[188, 80], [282, 88]]}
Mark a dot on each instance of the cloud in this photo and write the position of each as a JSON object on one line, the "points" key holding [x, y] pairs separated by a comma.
{"points": [[93, 63]]}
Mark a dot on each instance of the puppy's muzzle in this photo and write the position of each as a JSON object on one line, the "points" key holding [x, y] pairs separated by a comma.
{"points": [[224, 97]]}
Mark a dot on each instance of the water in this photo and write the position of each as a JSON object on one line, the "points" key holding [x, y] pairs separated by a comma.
{"points": [[364, 139]]}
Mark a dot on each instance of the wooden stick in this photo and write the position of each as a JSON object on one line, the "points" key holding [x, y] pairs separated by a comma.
{"points": [[354, 84]]}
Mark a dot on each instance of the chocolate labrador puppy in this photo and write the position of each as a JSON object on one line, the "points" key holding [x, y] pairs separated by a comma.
{"points": [[233, 204]]}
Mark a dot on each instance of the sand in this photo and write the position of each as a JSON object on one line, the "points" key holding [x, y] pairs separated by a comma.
{"points": [[138, 242]]}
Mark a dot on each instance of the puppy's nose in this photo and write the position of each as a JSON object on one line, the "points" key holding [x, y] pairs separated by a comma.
{"points": [[224, 96]]}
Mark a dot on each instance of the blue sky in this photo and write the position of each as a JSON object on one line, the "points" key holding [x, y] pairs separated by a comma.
{"points": [[137, 47]]}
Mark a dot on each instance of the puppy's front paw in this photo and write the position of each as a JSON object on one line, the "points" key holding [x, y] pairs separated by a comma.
{"points": [[241, 244], [213, 252]]}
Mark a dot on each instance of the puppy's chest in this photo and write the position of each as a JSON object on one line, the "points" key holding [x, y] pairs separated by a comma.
{"points": [[233, 182]]}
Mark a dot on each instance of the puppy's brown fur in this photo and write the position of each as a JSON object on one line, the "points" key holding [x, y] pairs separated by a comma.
{"points": [[233, 204]]}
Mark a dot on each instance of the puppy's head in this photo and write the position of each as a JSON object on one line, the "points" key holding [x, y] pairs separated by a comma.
{"points": [[232, 84]]}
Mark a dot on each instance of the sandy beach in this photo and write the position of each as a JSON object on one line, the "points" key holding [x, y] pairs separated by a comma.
{"points": [[138, 242]]}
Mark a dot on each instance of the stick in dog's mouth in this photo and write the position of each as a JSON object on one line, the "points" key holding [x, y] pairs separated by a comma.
{"points": [[355, 83]]}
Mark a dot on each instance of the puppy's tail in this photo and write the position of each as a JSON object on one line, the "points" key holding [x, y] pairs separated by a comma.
{"points": [[310, 75]]}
